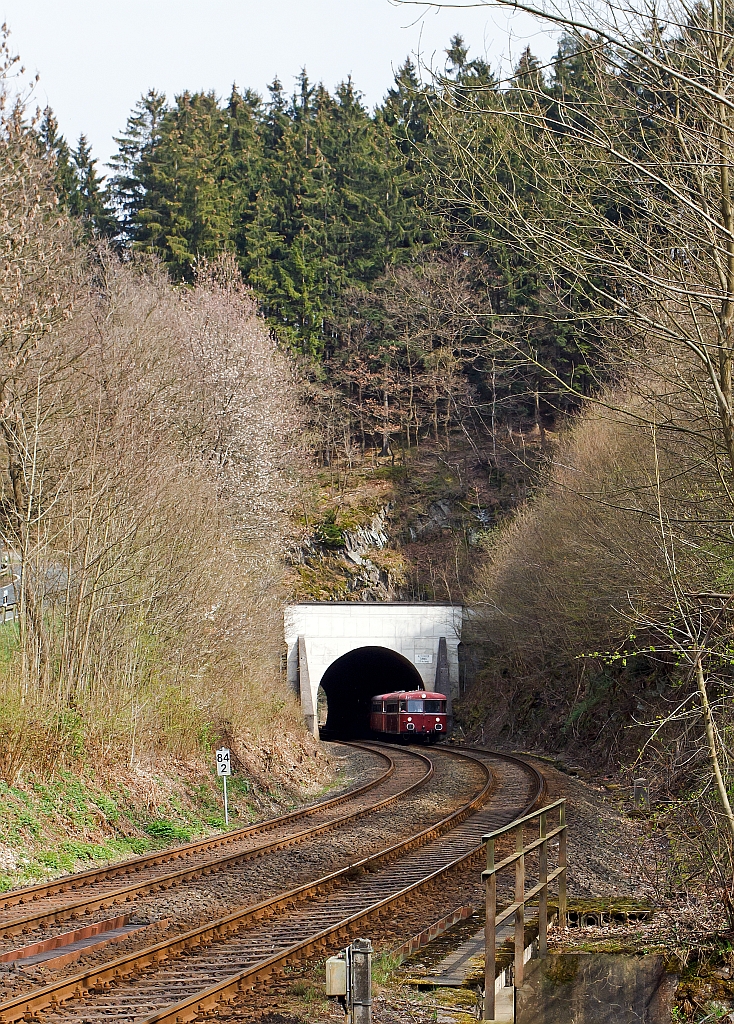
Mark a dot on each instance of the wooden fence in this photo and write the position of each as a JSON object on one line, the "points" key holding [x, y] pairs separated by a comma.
{"points": [[494, 919]]}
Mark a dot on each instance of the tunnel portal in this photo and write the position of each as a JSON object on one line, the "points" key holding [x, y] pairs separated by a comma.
{"points": [[409, 645], [351, 682]]}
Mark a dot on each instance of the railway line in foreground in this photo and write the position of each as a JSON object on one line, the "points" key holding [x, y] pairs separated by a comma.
{"points": [[437, 803], [86, 892]]}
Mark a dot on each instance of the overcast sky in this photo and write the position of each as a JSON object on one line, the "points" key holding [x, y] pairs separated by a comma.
{"points": [[96, 57]]}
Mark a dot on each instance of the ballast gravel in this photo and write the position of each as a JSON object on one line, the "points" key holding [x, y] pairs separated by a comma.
{"points": [[203, 901]]}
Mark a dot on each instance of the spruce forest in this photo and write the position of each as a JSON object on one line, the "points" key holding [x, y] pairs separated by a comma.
{"points": [[337, 220]]}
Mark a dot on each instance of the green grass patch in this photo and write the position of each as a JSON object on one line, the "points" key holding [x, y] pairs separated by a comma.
{"points": [[165, 831], [391, 473], [385, 966]]}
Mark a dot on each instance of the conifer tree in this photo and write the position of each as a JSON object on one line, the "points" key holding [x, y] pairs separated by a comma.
{"points": [[56, 148], [244, 115], [127, 186], [403, 134], [79, 187], [88, 202], [406, 109], [188, 211], [280, 256]]}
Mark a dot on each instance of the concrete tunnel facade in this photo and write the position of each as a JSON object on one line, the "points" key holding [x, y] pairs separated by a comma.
{"points": [[354, 650]]}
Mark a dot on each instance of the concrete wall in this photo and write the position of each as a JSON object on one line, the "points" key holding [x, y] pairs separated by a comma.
{"points": [[330, 630], [596, 988]]}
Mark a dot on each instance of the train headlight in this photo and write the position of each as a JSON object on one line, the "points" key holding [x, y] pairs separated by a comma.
{"points": [[410, 719]]}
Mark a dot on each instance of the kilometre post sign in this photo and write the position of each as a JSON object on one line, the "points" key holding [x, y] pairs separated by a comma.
{"points": [[224, 768]]}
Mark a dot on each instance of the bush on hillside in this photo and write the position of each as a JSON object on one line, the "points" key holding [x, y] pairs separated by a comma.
{"points": [[581, 588], [150, 442]]}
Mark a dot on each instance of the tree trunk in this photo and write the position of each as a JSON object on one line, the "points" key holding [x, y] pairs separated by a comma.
{"points": [[708, 721], [385, 425]]}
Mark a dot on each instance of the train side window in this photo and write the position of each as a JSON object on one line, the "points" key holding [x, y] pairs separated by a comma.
{"points": [[391, 707], [377, 707], [435, 705], [415, 706]]}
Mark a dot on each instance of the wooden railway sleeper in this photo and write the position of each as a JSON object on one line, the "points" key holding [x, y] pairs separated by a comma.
{"points": [[133, 962], [186, 874], [186, 1011], [20, 897]]}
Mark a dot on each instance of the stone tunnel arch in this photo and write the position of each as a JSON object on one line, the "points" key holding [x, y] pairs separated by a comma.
{"points": [[351, 681]]}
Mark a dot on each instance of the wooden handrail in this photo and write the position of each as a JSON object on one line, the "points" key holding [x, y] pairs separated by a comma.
{"points": [[522, 896], [509, 861], [523, 821]]}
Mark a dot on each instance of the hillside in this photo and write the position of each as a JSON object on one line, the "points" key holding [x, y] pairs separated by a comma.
{"points": [[412, 528], [149, 440], [473, 345]]}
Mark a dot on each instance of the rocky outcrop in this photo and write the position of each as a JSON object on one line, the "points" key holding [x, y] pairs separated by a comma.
{"points": [[345, 559], [441, 515], [359, 541], [449, 516], [341, 563]]}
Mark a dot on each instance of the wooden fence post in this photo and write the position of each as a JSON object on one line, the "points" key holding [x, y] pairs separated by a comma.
{"points": [[490, 935], [516, 909], [562, 864], [543, 895], [520, 912]]}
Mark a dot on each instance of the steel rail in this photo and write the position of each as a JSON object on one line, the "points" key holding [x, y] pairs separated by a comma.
{"points": [[80, 879], [202, 1003], [79, 984], [159, 882], [540, 779]]}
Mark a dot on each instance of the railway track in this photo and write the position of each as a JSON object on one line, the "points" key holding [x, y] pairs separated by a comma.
{"points": [[82, 894], [134, 864], [204, 896], [189, 974]]}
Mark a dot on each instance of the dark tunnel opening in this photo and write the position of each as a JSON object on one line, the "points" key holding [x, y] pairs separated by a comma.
{"points": [[352, 681]]}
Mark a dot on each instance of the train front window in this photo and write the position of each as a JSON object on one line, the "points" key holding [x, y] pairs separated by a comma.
{"points": [[376, 707], [414, 707], [391, 707], [437, 706]]}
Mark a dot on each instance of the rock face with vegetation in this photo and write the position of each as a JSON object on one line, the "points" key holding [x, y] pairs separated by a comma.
{"points": [[597, 989], [413, 531]]}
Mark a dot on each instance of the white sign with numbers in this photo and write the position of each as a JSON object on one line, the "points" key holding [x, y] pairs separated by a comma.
{"points": [[224, 762]]}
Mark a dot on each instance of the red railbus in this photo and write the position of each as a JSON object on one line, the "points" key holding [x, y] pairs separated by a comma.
{"points": [[409, 715]]}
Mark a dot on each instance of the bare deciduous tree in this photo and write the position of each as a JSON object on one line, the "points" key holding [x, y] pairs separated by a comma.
{"points": [[153, 449], [617, 183]]}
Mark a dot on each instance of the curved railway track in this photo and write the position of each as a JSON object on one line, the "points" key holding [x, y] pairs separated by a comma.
{"points": [[82, 894], [179, 979], [135, 864]]}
